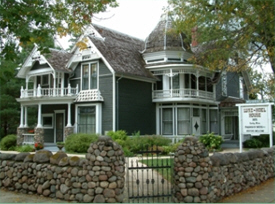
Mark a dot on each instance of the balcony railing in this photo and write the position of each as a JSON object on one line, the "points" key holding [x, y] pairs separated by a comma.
{"points": [[49, 92], [183, 93]]}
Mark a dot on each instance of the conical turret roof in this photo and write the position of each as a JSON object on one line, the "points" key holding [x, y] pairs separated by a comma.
{"points": [[163, 37]]}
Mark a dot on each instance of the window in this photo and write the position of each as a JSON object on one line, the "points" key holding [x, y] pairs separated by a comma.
{"points": [[224, 84], [228, 125], [183, 121], [86, 119], [89, 76], [47, 120], [167, 121], [241, 88], [45, 80], [214, 121], [203, 121]]}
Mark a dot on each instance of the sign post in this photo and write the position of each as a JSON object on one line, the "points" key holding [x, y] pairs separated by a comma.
{"points": [[255, 119]]}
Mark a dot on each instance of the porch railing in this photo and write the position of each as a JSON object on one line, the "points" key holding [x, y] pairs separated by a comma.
{"points": [[28, 138], [48, 92], [183, 93]]}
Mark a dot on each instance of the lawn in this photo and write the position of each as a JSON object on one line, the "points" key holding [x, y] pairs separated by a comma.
{"points": [[162, 166]]}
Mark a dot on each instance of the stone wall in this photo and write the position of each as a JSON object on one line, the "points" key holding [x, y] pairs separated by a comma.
{"points": [[99, 177], [201, 178]]}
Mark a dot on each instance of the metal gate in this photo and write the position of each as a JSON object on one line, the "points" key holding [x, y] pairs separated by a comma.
{"points": [[149, 177]]}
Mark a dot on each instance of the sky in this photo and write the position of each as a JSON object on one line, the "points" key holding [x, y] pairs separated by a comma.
{"points": [[133, 17], [136, 18]]}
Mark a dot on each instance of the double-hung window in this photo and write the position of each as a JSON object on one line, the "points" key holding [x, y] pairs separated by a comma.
{"points": [[89, 76]]}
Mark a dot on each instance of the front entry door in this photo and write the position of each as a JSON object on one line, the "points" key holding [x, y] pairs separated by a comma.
{"points": [[59, 126], [196, 126]]}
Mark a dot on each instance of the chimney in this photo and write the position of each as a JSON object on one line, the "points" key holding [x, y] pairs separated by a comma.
{"points": [[194, 36]]}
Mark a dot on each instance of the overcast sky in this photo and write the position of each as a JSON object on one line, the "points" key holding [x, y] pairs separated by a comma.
{"points": [[133, 17]]}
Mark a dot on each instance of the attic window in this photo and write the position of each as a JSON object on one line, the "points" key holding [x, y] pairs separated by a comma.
{"points": [[84, 57], [174, 59], [155, 60]]}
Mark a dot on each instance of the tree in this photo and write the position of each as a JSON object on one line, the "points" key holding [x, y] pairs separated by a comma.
{"points": [[25, 22], [228, 29], [262, 84]]}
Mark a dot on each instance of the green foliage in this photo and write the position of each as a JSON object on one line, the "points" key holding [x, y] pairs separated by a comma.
{"points": [[32, 22], [25, 148], [8, 142], [138, 143], [118, 135], [79, 143], [211, 141], [228, 29], [258, 141]]}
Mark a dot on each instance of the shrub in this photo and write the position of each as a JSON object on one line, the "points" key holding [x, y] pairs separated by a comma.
{"points": [[211, 141], [252, 143], [79, 143], [25, 148], [139, 143], [118, 135], [8, 142]]}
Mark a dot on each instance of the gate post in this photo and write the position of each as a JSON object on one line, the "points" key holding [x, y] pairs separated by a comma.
{"points": [[107, 162], [192, 165]]}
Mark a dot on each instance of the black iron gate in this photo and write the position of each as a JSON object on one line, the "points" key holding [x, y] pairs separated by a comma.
{"points": [[149, 177]]}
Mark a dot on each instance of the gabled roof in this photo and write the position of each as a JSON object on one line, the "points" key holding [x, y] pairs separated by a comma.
{"points": [[58, 59], [122, 52]]}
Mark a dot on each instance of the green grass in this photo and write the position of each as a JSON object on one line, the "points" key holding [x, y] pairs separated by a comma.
{"points": [[165, 172]]}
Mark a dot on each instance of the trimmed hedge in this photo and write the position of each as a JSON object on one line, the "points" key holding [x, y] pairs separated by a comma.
{"points": [[9, 142], [79, 143]]}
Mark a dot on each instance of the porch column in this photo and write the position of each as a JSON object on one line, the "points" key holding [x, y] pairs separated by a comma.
{"points": [[197, 83], [54, 85], [26, 116], [69, 124], [22, 117], [39, 125], [62, 84]]}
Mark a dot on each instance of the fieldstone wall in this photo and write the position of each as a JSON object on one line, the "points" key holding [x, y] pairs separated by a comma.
{"points": [[39, 135], [199, 177], [99, 177], [20, 137]]}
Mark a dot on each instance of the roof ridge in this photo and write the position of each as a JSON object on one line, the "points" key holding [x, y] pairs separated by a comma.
{"points": [[118, 32]]}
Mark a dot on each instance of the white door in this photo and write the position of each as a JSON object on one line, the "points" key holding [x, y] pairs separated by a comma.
{"points": [[196, 126]]}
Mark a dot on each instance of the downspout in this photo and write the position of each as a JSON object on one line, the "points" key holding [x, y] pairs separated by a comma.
{"points": [[117, 102]]}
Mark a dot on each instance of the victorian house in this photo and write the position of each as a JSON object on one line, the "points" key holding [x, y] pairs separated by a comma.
{"points": [[119, 82]]}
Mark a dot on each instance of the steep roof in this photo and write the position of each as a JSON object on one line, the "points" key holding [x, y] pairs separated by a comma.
{"points": [[163, 37], [122, 52], [58, 59]]}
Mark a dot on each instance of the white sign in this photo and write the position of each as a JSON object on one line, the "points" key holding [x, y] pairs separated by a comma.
{"points": [[255, 119]]}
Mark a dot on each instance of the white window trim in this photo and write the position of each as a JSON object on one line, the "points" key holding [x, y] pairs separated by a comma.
{"points": [[47, 115], [98, 115], [97, 73]]}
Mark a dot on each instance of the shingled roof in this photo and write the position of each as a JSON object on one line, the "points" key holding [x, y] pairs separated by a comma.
{"points": [[58, 59], [122, 52], [163, 37]]}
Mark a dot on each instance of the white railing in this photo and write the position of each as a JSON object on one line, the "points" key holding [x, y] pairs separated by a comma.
{"points": [[89, 95], [49, 92], [28, 138], [183, 93]]}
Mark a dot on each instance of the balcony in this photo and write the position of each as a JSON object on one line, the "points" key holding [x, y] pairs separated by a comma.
{"points": [[49, 92], [182, 94]]}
